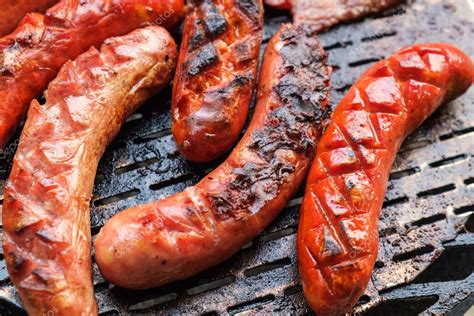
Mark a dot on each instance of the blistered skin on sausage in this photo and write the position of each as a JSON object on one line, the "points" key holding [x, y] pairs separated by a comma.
{"points": [[174, 238], [12, 11], [338, 230], [216, 75], [46, 237], [31, 56], [322, 14]]}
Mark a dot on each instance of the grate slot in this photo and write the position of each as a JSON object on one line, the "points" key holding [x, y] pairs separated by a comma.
{"points": [[267, 267], [152, 136], [250, 304], [156, 301], [379, 36], [170, 182], [117, 197], [211, 285], [414, 253], [448, 161], [404, 173], [395, 201], [436, 191], [137, 165], [457, 133], [428, 220], [364, 62]]}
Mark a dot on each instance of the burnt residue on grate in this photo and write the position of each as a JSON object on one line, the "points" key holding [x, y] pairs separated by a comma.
{"points": [[426, 227]]}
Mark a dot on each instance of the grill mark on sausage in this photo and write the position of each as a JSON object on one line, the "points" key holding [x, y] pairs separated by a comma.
{"points": [[205, 57], [250, 8], [302, 90], [215, 22], [210, 24]]}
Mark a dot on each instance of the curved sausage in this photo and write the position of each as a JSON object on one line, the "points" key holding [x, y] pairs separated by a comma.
{"points": [[31, 56], [338, 230], [322, 14], [216, 75], [183, 234], [14, 10], [46, 237]]}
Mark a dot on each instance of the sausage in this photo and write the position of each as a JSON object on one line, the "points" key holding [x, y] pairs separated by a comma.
{"points": [[14, 10], [216, 75], [280, 4], [338, 228], [32, 55], [46, 221], [185, 233], [322, 14]]}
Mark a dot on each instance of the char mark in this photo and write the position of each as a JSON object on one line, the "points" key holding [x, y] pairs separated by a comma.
{"points": [[295, 126], [215, 22], [204, 57], [209, 24], [251, 8]]}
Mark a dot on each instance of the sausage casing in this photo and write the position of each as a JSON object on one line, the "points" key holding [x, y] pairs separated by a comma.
{"points": [[32, 55], [216, 75], [338, 230], [183, 234], [46, 221], [14, 10], [322, 14]]}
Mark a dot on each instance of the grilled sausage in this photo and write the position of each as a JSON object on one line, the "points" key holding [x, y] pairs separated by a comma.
{"points": [[46, 238], [279, 4], [216, 75], [31, 56], [188, 232], [14, 10], [338, 233], [322, 14]]}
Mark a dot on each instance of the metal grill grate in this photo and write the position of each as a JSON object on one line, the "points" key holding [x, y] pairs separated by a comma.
{"points": [[426, 255]]}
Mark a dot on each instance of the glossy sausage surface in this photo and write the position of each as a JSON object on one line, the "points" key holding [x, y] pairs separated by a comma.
{"points": [[280, 4], [338, 230], [31, 56], [12, 11], [216, 75], [46, 221], [181, 235], [322, 14]]}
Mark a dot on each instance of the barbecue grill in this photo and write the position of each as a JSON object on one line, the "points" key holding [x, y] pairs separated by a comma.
{"points": [[426, 252]]}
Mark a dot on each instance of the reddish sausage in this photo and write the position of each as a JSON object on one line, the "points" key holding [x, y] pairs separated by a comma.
{"points": [[46, 237], [183, 234], [14, 10], [280, 4], [216, 75], [322, 14], [31, 56], [338, 235]]}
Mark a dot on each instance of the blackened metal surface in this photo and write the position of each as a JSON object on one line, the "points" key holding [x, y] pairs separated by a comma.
{"points": [[425, 262]]}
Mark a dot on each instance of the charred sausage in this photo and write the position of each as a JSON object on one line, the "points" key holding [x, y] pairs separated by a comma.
{"points": [[338, 229], [322, 14], [31, 56], [216, 75], [46, 237], [183, 234], [14, 10]]}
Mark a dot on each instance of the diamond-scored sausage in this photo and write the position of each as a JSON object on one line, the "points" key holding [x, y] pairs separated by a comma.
{"points": [[338, 230]]}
